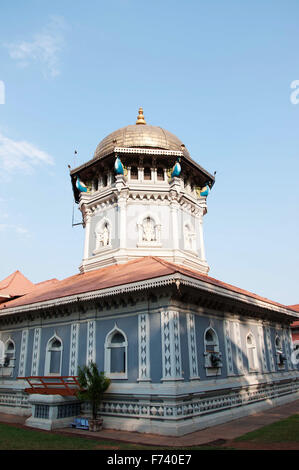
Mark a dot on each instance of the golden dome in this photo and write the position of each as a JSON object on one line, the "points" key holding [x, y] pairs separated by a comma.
{"points": [[140, 136]]}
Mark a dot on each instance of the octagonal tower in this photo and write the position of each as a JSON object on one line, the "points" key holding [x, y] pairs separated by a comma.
{"points": [[142, 195]]}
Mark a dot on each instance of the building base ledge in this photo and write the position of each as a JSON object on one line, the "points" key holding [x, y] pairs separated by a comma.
{"points": [[182, 427]]}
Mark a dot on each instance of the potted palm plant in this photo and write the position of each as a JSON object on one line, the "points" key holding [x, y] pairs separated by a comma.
{"points": [[93, 385]]}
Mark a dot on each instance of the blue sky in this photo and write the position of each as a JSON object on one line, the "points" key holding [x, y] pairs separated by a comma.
{"points": [[217, 74]]}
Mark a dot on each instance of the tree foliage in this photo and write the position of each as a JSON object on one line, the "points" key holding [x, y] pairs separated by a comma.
{"points": [[93, 385]]}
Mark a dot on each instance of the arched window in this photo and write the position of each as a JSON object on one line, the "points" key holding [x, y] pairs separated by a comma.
{"points": [[9, 357], [211, 341], [53, 356], [116, 345], [134, 173], [212, 354], [251, 352]]}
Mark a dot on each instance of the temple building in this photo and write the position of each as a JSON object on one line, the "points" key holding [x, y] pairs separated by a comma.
{"points": [[183, 350], [295, 327]]}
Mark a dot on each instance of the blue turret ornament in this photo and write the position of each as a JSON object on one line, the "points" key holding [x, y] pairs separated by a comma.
{"points": [[118, 166], [81, 186], [176, 169], [205, 190]]}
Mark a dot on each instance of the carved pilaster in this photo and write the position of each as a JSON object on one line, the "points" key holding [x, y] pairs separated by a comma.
{"points": [[36, 351], [171, 347], [91, 342], [287, 348], [228, 347], [238, 346], [262, 348], [74, 346], [270, 349], [144, 347], [23, 353], [192, 348]]}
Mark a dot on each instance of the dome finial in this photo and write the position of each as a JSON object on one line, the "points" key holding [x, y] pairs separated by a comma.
{"points": [[140, 117]]}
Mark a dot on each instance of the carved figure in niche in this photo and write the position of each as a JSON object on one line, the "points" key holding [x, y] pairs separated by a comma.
{"points": [[104, 235], [189, 238], [148, 230]]}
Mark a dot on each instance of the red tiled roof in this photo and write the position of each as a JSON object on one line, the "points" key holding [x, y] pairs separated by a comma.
{"points": [[15, 285], [294, 307], [296, 323], [48, 282], [116, 275]]}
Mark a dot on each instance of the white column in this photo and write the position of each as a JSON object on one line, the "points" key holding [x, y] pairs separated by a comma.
{"points": [[165, 174], [140, 174], [122, 204], [154, 175], [87, 234], [175, 225], [201, 241]]}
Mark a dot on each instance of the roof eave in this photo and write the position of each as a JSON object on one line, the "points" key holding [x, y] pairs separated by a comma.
{"points": [[154, 283], [127, 150]]}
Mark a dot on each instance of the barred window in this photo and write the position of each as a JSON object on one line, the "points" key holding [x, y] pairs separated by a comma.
{"points": [[116, 345], [53, 356]]}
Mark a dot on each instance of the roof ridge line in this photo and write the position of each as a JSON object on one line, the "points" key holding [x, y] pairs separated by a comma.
{"points": [[10, 278], [163, 262]]}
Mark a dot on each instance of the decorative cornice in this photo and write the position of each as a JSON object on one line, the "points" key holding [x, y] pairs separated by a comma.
{"points": [[146, 285], [93, 202], [171, 153]]}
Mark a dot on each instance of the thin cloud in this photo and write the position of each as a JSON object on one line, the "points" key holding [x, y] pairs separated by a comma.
{"points": [[6, 227], [18, 229], [20, 155], [44, 48]]}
